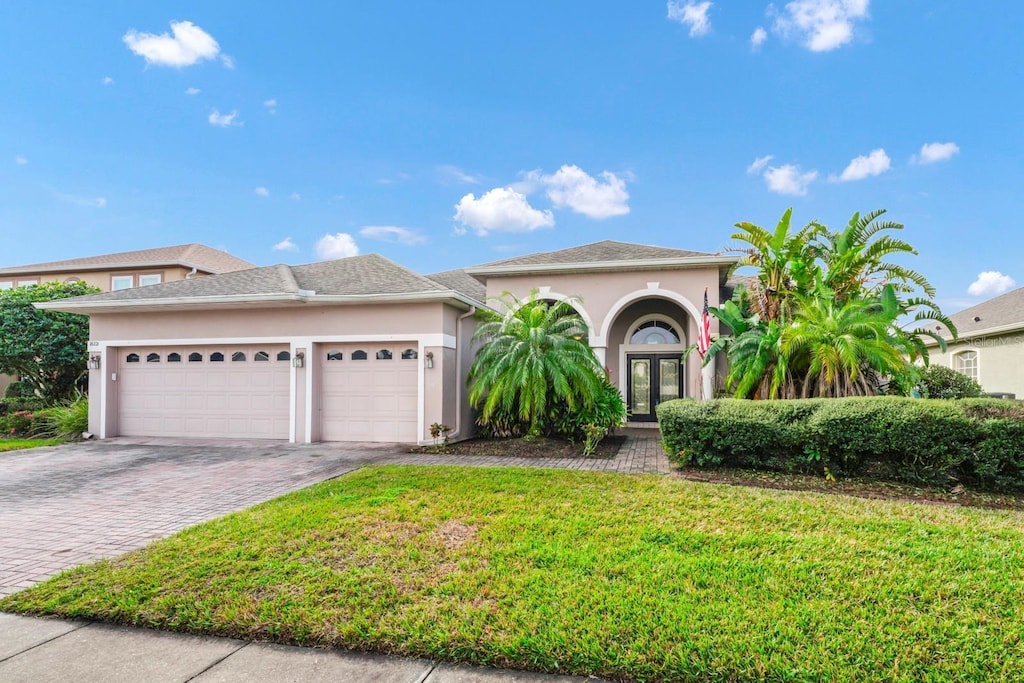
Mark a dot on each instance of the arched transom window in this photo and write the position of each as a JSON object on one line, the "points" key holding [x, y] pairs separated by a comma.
{"points": [[654, 332]]}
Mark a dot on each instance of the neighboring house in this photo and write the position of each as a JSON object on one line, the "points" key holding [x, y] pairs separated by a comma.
{"points": [[362, 349], [111, 272], [990, 344]]}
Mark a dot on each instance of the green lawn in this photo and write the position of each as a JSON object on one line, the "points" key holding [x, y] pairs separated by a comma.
{"points": [[18, 444], [649, 578]]}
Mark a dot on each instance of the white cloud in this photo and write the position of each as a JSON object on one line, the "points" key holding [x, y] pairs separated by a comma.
{"points": [[193, 91], [572, 187], [223, 120], [262, 191], [875, 163], [295, 195], [286, 245], [788, 179], [759, 164], [991, 283], [820, 25], [338, 245], [271, 105], [189, 45], [107, 80], [454, 174], [20, 160], [936, 151], [757, 38], [501, 209], [228, 62], [392, 233], [692, 14]]}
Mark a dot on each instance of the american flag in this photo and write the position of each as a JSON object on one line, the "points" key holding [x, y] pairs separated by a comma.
{"points": [[704, 334]]}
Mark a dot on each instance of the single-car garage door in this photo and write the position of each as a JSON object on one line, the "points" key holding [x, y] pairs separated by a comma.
{"points": [[217, 391], [369, 392]]}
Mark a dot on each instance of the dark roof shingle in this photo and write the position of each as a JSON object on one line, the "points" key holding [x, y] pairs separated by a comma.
{"points": [[608, 250], [1006, 309], [199, 255]]}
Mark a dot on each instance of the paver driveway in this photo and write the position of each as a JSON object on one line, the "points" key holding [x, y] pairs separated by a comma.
{"points": [[63, 506], [60, 507]]}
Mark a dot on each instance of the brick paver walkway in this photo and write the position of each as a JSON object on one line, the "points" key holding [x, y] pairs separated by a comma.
{"points": [[63, 506]]}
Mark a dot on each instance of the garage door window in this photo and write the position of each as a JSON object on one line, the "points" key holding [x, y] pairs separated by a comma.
{"points": [[334, 355], [238, 357], [359, 355], [217, 357], [284, 355], [153, 358], [174, 358], [195, 357], [383, 354], [410, 354], [261, 356], [132, 358]]}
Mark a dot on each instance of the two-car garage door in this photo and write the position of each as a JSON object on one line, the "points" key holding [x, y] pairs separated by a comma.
{"points": [[219, 391], [368, 392]]}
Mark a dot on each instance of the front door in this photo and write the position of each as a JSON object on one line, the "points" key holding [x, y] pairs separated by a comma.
{"points": [[653, 378]]}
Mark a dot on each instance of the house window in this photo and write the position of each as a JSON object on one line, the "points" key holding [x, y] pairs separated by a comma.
{"points": [[195, 357], [217, 357], [27, 283], [410, 354], [654, 332], [334, 355], [284, 355], [150, 279], [118, 282], [153, 358], [73, 279], [261, 356], [967, 363], [359, 355], [238, 357], [132, 358], [383, 354], [7, 284], [174, 358]]}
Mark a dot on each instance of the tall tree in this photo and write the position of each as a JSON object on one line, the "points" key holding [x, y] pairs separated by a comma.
{"points": [[533, 355], [47, 349]]}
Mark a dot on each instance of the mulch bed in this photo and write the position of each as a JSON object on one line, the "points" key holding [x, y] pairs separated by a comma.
{"points": [[863, 488], [527, 448]]}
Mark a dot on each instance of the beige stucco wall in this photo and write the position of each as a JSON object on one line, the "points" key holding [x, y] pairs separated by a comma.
{"points": [[303, 326], [1000, 360], [100, 278], [613, 301]]}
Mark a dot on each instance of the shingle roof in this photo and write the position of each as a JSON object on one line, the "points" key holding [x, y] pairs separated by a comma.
{"points": [[462, 282], [193, 255], [1006, 309], [608, 250], [367, 275]]}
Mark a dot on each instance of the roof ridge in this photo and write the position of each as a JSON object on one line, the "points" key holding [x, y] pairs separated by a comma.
{"points": [[288, 277]]}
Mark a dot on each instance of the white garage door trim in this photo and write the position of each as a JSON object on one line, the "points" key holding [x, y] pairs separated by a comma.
{"points": [[222, 391]]}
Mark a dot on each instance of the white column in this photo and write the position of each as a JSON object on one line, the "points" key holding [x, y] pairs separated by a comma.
{"points": [[601, 352], [707, 376]]}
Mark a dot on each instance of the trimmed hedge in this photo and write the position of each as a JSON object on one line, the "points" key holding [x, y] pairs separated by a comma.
{"points": [[979, 441], [16, 405]]}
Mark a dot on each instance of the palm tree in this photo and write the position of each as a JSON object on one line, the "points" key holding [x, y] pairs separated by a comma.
{"points": [[530, 357]]}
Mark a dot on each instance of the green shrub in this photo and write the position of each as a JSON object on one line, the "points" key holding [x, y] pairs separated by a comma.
{"points": [[17, 423], [13, 405], [67, 420], [938, 381], [980, 441], [19, 389], [608, 412]]}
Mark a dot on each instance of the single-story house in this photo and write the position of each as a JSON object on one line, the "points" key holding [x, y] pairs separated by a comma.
{"points": [[363, 349], [990, 344]]}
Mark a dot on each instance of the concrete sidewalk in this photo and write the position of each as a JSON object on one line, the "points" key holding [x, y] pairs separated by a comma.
{"points": [[41, 650]]}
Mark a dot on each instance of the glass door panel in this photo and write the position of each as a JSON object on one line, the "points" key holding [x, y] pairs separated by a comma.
{"points": [[640, 383], [669, 379]]}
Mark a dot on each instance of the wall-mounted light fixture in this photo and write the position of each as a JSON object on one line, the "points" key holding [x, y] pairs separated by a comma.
{"points": [[428, 360], [298, 359], [94, 362]]}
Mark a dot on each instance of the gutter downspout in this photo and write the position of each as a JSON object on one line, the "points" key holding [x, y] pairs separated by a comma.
{"points": [[458, 371]]}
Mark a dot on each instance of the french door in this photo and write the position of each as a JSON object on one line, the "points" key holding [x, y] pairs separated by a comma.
{"points": [[653, 378]]}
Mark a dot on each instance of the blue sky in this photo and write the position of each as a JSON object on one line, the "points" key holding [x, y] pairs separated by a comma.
{"points": [[448, 134]]}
